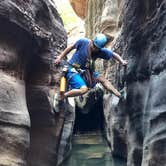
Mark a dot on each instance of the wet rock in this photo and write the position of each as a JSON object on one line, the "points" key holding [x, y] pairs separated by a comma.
{"points": [[106, 16]]}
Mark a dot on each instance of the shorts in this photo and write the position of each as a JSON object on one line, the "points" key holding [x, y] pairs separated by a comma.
{"points": [[74, 79]]}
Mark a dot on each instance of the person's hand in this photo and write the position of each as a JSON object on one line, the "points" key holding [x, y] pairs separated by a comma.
{"points": [[57, 60], [124, 62]]}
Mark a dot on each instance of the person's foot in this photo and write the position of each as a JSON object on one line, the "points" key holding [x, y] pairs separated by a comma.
{"points": [[81, 98], [123, 93]]}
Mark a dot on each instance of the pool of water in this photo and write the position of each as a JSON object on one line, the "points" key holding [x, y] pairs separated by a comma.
{"points": [[91, 150]]}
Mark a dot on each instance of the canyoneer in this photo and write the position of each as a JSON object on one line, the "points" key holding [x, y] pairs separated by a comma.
{"points": [[81, 64]]}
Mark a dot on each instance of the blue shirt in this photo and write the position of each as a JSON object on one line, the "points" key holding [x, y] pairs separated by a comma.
{"points": [[80, 56]]}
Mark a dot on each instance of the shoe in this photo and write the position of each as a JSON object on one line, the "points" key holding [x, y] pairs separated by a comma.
{"points": [[81, 98], [123, 93], [56, 102]]}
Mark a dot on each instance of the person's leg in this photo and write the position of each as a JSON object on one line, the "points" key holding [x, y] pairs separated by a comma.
{"points": [[76, 92], [107, 85], [77, 85]]}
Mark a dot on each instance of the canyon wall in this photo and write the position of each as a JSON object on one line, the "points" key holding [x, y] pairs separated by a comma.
{"points": [[103, 16], [79, 7], [142, 43], [31, 36]]}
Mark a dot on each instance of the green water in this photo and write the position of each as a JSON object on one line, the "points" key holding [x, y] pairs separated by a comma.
{"points": [[91, 150]]}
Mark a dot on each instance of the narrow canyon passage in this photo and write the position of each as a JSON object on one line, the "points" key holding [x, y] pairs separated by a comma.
{"points": [[91, 122], [89, 147], [91, 150]]}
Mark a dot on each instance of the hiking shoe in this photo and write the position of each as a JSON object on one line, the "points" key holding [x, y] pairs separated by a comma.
{"points": [[123, 93], [81, 98], [56, 102]]}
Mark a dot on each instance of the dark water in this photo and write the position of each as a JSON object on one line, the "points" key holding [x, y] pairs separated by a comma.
{"points": [[91, 150]]}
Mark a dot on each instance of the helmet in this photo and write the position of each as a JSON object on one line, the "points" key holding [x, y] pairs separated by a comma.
{"points": [[100, 40]]}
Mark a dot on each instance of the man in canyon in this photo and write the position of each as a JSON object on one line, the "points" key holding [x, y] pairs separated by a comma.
{"points": [[87, 51]]}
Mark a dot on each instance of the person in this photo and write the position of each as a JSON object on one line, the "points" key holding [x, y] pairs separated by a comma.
{"points": [[84, 48]]}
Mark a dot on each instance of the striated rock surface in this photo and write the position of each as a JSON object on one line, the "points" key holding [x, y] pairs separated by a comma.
{"points": [[135, 127], [142, 42], [65, 145], [79, 7], [106, 16], [31, 35], [102, 16]]}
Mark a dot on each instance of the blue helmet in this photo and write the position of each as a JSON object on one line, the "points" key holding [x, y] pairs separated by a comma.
{"points": [[100, 40]]}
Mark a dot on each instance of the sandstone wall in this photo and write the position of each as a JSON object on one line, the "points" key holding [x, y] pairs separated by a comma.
{"points": [[142, 43], [135, 127], [103, 16], [79, 7], [31, 36]]}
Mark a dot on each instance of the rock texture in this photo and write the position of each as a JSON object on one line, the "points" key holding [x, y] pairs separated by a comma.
{"points": [[31, 35], [142, 43], [135, 126], [106, 16], [102, 16], [65, 145], [79, 7]]}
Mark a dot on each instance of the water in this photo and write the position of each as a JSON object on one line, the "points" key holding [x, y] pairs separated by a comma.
{"points": [[91, 150]]}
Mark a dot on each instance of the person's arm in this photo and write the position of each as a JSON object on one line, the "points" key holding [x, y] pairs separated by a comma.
{"points": [[64, 53], [119, 59]]}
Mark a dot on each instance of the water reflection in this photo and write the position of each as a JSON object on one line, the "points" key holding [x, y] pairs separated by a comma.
{"points": [[91, 150]]}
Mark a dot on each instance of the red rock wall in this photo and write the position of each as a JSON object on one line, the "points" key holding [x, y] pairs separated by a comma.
{"points": [[79, 7]]}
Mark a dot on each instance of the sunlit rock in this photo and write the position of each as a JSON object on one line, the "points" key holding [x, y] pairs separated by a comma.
{"points": [[79, 7], [103, 16]]}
